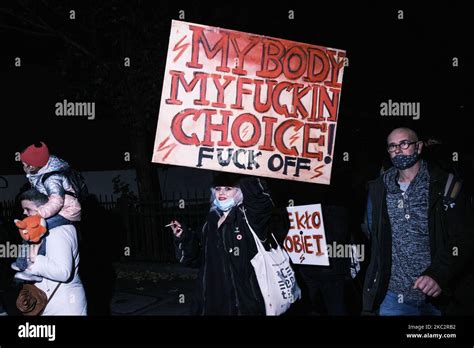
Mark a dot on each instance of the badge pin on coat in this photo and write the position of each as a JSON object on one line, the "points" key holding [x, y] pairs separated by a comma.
{"points": [[239, 235]]}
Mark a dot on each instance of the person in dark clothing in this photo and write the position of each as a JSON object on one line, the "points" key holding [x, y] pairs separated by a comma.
{"points": [[97, 270], [224, 247], [326, 285], [326, 290], [421, 248]]}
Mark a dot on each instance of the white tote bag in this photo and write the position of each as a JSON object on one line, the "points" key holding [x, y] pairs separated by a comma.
{"points": [[275, 277]]}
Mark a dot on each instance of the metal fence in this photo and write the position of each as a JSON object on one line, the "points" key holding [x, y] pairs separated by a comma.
{"points": [[144, 222], [143, 235], [7, 209]]}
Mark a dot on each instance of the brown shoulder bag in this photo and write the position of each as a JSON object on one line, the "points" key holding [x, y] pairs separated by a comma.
{"points": [[32, 301]]}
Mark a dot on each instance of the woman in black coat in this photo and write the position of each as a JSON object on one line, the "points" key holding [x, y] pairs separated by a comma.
{"points": [[224, 247]]}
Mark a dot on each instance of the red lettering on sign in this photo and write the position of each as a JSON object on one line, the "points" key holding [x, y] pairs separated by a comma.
{"points": [[317, 238], [290, 218], [222, 46], [288, 244], [297, 243], [279, 133], [268, 135], [222, 127], [308, 244], [220, 89], [240, 92], [177, 77], [271, 53], [316, 219], [236, 130], [299, 221]]}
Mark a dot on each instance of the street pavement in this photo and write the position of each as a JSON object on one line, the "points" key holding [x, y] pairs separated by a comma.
{"points": [[147, 288]]}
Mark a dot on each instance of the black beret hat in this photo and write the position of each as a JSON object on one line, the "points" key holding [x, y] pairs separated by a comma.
{"points": [[226, 179]]}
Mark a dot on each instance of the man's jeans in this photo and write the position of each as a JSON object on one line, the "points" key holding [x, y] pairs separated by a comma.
{"points": [[390, 306]]}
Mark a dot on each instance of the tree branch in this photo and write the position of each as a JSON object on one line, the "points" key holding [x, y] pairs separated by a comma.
{"points": [[49, 31], [21, 18], [26, 31]]}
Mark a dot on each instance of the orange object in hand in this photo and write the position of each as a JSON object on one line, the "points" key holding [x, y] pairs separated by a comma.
{"points": [[32, 228]]}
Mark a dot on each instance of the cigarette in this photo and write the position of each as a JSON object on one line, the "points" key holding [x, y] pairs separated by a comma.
{"points": [[171, 224]]}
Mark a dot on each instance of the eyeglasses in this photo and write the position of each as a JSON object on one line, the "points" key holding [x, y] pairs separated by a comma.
{"points": [[405, 144]]}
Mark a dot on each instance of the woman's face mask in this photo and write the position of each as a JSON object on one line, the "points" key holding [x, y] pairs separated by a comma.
{"points": [[225, 205], [225, 197]]}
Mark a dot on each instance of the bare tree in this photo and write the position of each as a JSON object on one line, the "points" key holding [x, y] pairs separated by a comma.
{"points": [[113, 52]]}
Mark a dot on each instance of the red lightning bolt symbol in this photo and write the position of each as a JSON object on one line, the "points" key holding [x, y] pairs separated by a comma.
{"points": [[162, 147], [317, 171], [244, 131], [293, 138], [178, 47]]}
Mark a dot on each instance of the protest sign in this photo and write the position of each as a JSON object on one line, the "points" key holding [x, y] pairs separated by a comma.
{"points": [[248, 104], [306, 239]]}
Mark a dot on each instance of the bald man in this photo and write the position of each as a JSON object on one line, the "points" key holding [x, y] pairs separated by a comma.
{"points": [[421, 249]]}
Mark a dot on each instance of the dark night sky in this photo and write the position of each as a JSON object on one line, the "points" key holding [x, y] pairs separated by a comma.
{"points": [[407, 60]]}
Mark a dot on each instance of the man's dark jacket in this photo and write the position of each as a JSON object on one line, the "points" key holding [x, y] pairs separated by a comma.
{"points": [[451, 246]]}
